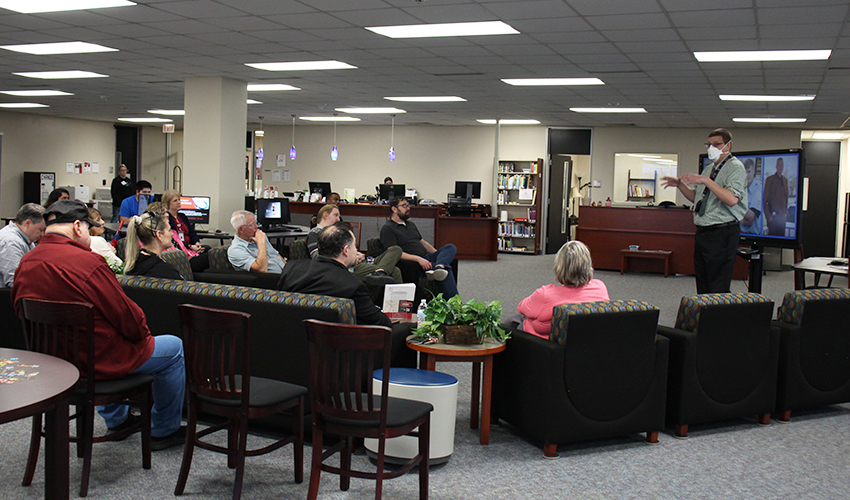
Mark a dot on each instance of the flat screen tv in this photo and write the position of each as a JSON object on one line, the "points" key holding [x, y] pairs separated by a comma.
{"points": [[323, 188], [471, 190], [272, 212], [774, 199], [387, 192], [195, 208]]}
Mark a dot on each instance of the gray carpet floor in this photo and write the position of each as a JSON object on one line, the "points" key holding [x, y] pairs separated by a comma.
{"points": [[805, 459]]}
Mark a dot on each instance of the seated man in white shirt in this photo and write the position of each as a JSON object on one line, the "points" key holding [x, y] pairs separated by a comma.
{"points": [[251, 249], [18, 238]]}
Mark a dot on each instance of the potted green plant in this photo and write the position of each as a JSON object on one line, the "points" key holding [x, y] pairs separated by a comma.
{"points": [[462, 323]]}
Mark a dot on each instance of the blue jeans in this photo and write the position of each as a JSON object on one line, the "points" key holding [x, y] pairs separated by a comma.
{"points": [[169, 388], [115, 211], [443, 257]]}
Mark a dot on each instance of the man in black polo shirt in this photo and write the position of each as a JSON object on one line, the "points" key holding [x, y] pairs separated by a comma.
{"points": [[436, 264]]}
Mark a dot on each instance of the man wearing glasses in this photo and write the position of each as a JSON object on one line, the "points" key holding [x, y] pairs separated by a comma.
{"points": [[720, 203], [251, 249], [436, 264]]}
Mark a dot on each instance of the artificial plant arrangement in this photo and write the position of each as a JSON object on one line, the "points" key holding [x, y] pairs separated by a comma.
{"points": [[442, 315]]}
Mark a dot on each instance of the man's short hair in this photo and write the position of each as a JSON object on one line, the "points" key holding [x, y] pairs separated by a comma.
{"points": [[240, 218], [721, 132], [30, 212], [334, 238], [395, 201], [748, 162], [143, 185]]}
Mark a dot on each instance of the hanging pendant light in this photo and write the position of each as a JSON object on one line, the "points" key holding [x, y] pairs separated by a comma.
{"points": [[392, 137], [334, 151], [292, 153]]}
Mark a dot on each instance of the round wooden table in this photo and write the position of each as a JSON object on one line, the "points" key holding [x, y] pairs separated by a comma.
{"points": [[48, 393], [475, 353]]}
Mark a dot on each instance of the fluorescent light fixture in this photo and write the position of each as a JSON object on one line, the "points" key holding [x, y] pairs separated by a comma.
{"points": [[301, 65], [509, 122], [608, 110], [370, 111], [36, 6], [22, 105], [44, 49], [168, 112], [828, 135], [260, 133], [270, 87], [34, 93], [436, 98], [61, 75], [540, 82], [146, 120], [252, 101], [329, 118], [763, 55], [767, 98], [643, 156], [444, 29], [769, 120]]}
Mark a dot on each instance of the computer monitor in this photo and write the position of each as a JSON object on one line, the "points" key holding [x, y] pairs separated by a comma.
{"points": [[321, 187], [389, 191], [196, 208], [272, 212], [468, 189]]}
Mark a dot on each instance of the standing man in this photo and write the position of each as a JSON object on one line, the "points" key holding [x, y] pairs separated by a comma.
{"points": [[435, 264], [136, 204], [776, 200], [18, 238], [751, 223], [122, 188], [63, 268], [721, 202], [251, 249]]}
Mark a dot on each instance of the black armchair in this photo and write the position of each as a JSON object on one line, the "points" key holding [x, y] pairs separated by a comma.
{"points": [[410, 271], [603, 373], [814, 349], [723, 360]]}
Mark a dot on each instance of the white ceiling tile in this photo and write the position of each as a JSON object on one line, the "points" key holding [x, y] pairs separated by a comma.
{"points": [[595, 7], [631, 21]]}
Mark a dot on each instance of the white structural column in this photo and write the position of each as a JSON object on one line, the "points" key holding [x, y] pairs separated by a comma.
{"points": [[214, 144]]}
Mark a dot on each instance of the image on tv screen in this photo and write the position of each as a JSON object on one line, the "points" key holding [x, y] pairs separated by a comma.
{"points": [[273, 210]]}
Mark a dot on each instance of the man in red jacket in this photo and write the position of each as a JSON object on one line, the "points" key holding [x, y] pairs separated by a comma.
{"points": [[63, 268]]}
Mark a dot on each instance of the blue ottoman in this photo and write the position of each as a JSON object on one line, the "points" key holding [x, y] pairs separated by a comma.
{"points": [[439, 389]]}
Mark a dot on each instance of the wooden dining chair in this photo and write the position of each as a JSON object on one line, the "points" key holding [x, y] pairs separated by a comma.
{"points": [[218, 373], [356, 229], [66, 330], [342, 360]]}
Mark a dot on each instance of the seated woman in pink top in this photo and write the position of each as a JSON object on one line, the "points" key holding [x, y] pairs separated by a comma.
{"points": [[574, 271]]}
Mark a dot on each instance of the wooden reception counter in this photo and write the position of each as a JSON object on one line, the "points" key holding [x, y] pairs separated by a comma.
{"points": [[608, 230], [475, 237]]}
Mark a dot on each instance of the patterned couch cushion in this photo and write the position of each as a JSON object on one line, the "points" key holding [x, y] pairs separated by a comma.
{"points": [[298, 250], [562, 313], [344, 307], [179, 260], [791, 310], [218, 259], [688, 316]]}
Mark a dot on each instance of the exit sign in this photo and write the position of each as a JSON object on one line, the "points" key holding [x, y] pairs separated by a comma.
{"points": [[168, 128]]}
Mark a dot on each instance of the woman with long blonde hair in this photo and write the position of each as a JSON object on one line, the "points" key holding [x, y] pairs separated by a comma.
{"points": [[148, 235]]}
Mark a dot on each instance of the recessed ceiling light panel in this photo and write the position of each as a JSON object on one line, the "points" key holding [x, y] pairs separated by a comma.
{"points": [[508, 122], [769, 120], [542, 82], [22, 105], [61, 75], [370, 111], [43, 49], [436, 98], [329, 118], [145, 120], [36, 6], [444, 30], [828, 135], [763, 55], [34, 93], [252, 101], [608, 110], [767, 98], [301, 65], [270, 87], [168, 112]]}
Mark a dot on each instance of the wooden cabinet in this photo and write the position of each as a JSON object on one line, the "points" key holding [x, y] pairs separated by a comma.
{"points": [[519, 194]]}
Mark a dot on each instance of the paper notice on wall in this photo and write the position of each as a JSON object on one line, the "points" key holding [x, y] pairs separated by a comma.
{"points": [[526, 194], [95, 167], [78, 167], [86, 167], [281, 160], [276, 175], [69, 167]]}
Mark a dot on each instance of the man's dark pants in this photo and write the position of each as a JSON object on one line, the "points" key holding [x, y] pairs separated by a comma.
{"points": [[715, 249]]}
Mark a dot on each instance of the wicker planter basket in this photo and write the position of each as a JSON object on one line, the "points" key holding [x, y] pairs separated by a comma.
{"points": [[462, 334]]}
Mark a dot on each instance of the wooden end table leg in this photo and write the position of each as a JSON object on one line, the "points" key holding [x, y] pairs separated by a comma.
{"points": [[623, 261], [485, 400], [430, 362], [476, 395], [56, 461]]}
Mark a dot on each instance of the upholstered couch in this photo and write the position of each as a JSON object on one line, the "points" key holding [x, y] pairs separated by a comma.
{"points": [[602, 373]]}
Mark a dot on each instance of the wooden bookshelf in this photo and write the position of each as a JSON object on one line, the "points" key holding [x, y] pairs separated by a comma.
{"points": [[518, 198]]}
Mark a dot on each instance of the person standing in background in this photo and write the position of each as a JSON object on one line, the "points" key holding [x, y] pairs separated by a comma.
{"points": [[122, 187], [776, 200], [752, 221]]}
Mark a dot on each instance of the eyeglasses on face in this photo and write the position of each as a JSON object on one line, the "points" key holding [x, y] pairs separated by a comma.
{"points": [[718, 145]]}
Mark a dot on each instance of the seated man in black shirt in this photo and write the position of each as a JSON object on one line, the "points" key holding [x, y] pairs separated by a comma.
{"points": [[328, 274], [436, 264]]}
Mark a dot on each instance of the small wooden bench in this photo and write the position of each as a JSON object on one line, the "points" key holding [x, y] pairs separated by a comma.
{"points": [[627, 254]]}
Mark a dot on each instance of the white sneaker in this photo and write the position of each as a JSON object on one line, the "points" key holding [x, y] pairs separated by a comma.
{"points": [[436, 274]]}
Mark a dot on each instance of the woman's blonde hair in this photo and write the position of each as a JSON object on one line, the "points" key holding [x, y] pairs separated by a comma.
{"points": [[573, 266], [168, 196], [324, 212], [142, 228]]}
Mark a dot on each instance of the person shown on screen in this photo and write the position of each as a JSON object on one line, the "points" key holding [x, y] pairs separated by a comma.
{"points": [[122, 188], [251, 249], [776, 200], [720, 204], [574, 271], [136, 204], [752, 221]]}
